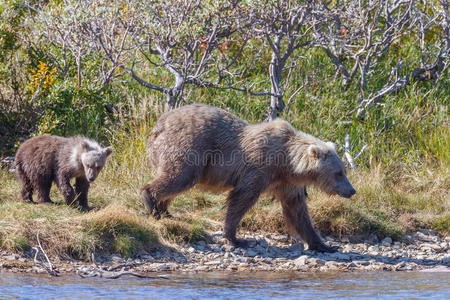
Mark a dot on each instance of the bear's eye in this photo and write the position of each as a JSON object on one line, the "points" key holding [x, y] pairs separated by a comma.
{"points": [[339, 174]]}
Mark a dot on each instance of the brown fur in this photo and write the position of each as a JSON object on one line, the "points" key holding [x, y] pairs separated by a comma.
{"points": [[204, 145], [44, 159]]}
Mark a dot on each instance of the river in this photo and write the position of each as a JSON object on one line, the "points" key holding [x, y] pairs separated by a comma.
{"points": [[381, 285]]}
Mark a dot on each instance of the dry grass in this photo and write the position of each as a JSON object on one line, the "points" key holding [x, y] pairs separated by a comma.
{"points": [[391, 199], [119, 225]]}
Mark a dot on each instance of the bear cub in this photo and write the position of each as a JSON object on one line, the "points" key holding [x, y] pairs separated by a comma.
{"points": [[45, 159]]}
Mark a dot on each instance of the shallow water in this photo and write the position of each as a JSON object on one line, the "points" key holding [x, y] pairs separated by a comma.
{"points": [[381, 285]]}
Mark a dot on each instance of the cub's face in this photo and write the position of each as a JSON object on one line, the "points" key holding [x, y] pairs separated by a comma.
{"points": [[331, 173], [93, 161]]}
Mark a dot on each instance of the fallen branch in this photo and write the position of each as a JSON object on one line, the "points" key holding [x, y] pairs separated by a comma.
{"points": [[347, 153], [94, 271], [50, 269]]}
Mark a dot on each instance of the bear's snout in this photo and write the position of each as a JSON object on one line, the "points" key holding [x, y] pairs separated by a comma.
{"points": [[348, 194]]}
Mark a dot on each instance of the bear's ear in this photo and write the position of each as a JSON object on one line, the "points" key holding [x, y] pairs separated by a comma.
{"points": [[314, 151], [84, 146], [108, 150]]}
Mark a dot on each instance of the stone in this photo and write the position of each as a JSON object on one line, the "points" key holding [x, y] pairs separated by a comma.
{"points": [[373, 249], [281, 238], [250, 253], [117, 258], [214, 262], [348, 248], [362, 262], [301, 261], [317, 261], [387, 241], [11, 257], [228, 247], [339, 255]]}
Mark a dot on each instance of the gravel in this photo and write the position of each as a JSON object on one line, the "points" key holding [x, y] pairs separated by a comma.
{"points": [[423, 250]]}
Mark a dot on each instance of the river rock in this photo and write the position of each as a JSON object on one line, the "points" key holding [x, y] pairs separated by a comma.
{"points": [[228, 247], [387, 241], [11, 257], [301, 261], [214, 262], [117, 258], [339, 255]]}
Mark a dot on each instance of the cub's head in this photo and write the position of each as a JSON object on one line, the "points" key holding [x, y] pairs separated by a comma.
{"points": [[329, 170], [93, 158]]}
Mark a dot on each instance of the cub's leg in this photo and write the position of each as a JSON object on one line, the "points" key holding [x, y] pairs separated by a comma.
{"points": [[239, 201], [81, 192], [158, 194], [27, 186], [63, 183], [295, 211], [42, 188]]}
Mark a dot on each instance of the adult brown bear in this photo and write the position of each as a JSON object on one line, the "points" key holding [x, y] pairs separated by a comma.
{"points": [[200, 144]]}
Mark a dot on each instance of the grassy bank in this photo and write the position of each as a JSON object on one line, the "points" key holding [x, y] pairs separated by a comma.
{"points": [[389, 202]]}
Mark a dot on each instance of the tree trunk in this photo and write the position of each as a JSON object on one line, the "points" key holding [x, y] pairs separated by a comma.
{"points": [[276, 99]]}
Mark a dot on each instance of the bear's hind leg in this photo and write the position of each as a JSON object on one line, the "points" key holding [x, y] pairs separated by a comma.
{"points": [[239, 201], [43, 190], [295, 211], [158, 194], [27, 186]]}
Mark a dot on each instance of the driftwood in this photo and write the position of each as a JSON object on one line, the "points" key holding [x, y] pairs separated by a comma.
{"points": [[94, 271], [47, 267]]}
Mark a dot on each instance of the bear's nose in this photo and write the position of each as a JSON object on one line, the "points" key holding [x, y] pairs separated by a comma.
{"points": [[352, 192]]}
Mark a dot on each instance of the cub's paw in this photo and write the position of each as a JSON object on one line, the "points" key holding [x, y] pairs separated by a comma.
{"points": [[86, 208], [149, 202]]}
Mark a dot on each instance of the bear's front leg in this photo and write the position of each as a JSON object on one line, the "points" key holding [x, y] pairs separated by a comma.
{"points": [[63, 183], [81, 191], [295, 211]]}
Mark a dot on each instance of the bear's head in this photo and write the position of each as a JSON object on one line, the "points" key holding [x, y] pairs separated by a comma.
{"points": [[93, 159], [328, 170]]}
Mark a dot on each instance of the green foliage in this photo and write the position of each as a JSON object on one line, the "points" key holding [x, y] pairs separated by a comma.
{"points": [[15, 242], [126, 237]]}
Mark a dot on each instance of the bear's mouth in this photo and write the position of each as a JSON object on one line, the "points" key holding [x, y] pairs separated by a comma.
{"points": [[347, 195]]}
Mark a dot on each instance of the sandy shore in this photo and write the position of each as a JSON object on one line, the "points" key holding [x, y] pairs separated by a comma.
{"points": [[423, 250]]}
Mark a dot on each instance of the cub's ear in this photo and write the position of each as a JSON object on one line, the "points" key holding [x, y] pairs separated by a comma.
{"points": [[84, 146], [332, 145], [314, 151], [108, 150]]}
